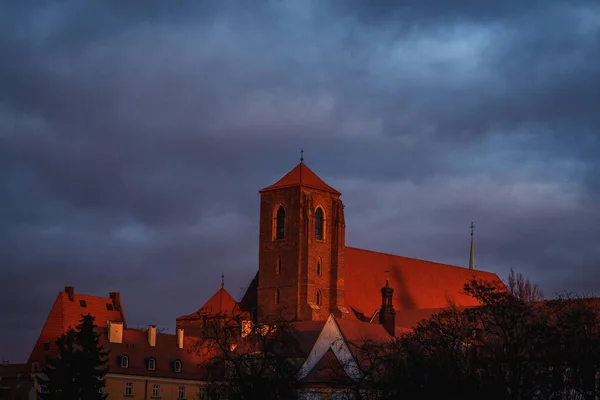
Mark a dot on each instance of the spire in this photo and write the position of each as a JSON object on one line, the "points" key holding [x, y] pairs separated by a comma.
{"points": [[472, 264]]}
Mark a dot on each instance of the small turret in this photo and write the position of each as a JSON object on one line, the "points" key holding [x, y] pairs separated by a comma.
{"points": [[387, 314]]}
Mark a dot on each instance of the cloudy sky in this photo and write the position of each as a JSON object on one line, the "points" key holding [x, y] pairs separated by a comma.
{"points": [[135, 135]]}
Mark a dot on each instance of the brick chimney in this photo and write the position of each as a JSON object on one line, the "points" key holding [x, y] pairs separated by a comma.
{"points": [[70, 291], [116, 300], [180, 338], [152, 335], [387, 314]]}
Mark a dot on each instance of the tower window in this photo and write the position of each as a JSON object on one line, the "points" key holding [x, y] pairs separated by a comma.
{"points": [[151, 364], [177, 366], [278, 265], [277, 296], [319, 269], [280, 223], [124, 362], [319, 224], [318, 297]]}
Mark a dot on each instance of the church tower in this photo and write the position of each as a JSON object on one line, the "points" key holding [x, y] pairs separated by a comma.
{"points": [[301, 249]]}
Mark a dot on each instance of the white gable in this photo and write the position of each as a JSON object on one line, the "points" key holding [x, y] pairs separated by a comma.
{"points": [[331, 338]]}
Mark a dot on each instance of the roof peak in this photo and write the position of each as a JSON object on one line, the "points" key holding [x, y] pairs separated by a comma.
{"points": [[301, 176]]}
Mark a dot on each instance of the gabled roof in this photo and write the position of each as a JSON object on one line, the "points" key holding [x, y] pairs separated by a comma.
{"points": [[301, 175], [221, 303], [67, 313], [136, 347], [417, 284]]}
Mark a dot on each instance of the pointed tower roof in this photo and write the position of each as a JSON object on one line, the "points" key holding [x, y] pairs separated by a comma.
{"points": [[472, 264], [301, 175], [221, 303]]}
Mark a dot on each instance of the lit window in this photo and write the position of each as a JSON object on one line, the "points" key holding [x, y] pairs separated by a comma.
{"points": [[181, 393], [177, 366], [151, 364], [155, 391], [128, 388], [280, 223], [319, 224], [318, 297], [278, 265], [277, 296], [124, 362]]}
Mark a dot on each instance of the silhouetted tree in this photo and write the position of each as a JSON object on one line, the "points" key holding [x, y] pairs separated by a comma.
{"points": [[78, 371], [522, 288], [260, 363]]}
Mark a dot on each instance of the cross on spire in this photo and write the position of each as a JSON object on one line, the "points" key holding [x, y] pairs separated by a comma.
{"points": [[223, 280], [301, 155], [472, 226]]}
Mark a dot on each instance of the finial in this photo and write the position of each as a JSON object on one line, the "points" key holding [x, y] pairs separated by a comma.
{"points": [[387, 271], [301, 156], [472, 226], [223, 280]]}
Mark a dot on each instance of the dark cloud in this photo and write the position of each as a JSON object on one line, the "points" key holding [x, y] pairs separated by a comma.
{"points": [[134, 137]]}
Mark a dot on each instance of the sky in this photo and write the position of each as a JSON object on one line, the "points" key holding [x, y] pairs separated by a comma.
{"points": [[134, 137]]}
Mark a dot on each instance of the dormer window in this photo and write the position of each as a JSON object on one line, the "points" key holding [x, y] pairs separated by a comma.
{"points": [[82, 303], [177, 366], [280, 223], [319, 224], [124, 362], [151, 364], [109, 306]]}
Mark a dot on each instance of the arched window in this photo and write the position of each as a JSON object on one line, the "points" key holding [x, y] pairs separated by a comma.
{"points": [[319, 224], [280, 223], [151, 364], [277, 296], [177, 366], [278, 265], [319, 267], [318, 297], [124, 362]]}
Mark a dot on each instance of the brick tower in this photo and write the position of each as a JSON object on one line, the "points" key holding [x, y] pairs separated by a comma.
{"points": [[301, 249]]}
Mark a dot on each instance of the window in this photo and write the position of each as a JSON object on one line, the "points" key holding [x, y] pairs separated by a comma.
{"points": [[278, 265], [35, 366], [280, 223], [124, 362], [155, 390], [319, 271], [177, 366], [203, 393], [319, 224], [318, 297], [109, 306], [151, 364], [47, 346], [128, 388], [277, 296], [82, 303], [181, 393]]}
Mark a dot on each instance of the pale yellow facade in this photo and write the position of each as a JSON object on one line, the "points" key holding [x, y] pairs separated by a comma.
{"points": [[133, 387]]}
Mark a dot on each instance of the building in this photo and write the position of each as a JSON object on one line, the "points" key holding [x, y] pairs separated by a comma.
{"points": [[306, 275]]}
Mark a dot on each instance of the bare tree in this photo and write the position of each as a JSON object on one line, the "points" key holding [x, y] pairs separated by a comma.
{"points": [[522, 288]]}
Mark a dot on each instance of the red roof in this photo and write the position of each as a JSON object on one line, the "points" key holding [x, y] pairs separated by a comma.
{"points": [[301, 175], [417, 284], [136, 347], [66, 313], [221, 303]]}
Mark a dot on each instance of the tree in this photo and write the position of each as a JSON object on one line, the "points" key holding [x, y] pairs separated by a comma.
{"points": [[522, 288], [78, 371], [250, 361]]}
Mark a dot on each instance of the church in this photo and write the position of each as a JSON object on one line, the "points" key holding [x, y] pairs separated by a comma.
{"points": [[333, 294]]}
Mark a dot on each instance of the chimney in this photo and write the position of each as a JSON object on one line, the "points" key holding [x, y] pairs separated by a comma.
{"points": [[116, 300], [115, 332], [152, 335], [180, 338], [387, 314], [70, 291]]}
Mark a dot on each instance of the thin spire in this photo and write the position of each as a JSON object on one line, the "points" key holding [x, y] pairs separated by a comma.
{"points": [[472, 264]]}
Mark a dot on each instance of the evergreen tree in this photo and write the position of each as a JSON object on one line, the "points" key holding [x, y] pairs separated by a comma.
{"points": [[78, 371]]}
